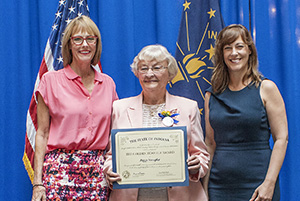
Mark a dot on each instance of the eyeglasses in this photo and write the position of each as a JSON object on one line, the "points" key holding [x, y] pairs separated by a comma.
{"points": [[155, 69], [78, 40]]}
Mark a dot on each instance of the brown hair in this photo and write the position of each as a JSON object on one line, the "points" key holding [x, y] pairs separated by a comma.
{"points": [[220, 75], [81, 23]]}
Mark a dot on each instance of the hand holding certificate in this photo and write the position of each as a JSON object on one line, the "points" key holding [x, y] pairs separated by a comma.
{"points": [[150, 157], [153, 151]]}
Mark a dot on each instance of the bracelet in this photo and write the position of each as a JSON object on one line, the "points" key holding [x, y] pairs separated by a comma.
{"points": [[35, 185]]}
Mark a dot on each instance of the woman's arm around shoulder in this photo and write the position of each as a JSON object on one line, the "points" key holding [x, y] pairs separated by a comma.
{"points": [[111, 176], [198, 156]]}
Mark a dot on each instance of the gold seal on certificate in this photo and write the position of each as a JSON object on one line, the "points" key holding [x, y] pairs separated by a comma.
{"points": [[150, 157]]}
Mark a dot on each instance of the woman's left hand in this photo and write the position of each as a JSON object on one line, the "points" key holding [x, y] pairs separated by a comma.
{"points": [[193, 164], [264, 192], [112, 177]]}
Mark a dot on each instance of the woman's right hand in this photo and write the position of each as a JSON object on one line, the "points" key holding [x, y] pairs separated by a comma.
{"points": [[112, 177], [39, 193]]}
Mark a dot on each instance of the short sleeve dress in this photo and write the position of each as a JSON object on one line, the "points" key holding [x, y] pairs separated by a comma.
{"points": [[241, 133]]}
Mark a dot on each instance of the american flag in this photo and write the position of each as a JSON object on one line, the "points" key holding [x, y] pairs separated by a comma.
{"points": [[52, 60]]}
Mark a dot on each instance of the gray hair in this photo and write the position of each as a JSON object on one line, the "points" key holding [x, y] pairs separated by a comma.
{"points": [[158, 53]]}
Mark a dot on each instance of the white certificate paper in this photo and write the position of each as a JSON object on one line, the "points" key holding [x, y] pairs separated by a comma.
{"points": [[150, 157]]}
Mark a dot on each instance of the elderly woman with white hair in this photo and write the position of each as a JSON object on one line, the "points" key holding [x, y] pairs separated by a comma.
{"points": [[154, 66]]}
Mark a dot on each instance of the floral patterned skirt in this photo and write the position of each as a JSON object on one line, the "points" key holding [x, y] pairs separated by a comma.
{"points": [[75, 175]]}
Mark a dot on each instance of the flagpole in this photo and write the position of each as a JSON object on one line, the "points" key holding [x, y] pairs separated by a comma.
{"points": [[250, 23]]}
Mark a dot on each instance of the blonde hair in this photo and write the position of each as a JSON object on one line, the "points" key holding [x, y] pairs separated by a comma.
{"points": [[220, 76], [158, 53], [82, 23]]}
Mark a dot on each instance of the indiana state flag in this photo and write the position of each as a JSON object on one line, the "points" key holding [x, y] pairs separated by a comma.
{"points": [[201, 22]]}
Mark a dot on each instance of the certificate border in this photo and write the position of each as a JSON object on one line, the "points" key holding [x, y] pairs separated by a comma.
{"points": [[147, 185]]}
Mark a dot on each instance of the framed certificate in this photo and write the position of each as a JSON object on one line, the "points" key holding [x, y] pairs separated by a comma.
{"points": [[150, 157]]}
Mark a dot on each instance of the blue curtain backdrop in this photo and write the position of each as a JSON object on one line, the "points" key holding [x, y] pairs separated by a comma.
{"points": [[126, 27]]}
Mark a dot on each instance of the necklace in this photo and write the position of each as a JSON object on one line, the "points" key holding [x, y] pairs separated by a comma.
{"points": [[150, 114], [153, 110]]}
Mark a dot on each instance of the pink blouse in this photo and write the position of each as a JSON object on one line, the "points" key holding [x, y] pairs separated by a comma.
{"points": [[79, 120]]}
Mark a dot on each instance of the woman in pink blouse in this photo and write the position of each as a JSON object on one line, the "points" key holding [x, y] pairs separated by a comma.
{"points": [[74, 117]]}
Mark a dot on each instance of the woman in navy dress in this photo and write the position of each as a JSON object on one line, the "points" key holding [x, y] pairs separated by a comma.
{"points": [[242, 111]]}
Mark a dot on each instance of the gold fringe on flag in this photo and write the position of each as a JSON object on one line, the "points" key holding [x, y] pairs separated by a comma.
{"points": [[28, 167]]}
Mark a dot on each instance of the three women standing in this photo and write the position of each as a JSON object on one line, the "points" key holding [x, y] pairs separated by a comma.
{"points": [[242, 109]]}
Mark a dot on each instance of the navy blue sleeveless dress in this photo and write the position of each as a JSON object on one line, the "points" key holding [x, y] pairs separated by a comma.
{"points": [[242, 154]]}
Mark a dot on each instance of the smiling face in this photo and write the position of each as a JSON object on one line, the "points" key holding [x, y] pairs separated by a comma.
{"points": [[150, 81], [83, 53], [236, 55]]}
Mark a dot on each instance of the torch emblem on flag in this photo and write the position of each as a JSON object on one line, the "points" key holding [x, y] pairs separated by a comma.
{"points": [[200, 23]]}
